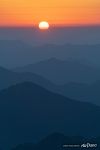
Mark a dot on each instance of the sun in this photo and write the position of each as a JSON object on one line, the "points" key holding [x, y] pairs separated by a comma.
{"points": [[43, 25]]}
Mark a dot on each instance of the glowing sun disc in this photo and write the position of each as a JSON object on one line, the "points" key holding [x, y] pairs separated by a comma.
{"points": [[43, 25]]}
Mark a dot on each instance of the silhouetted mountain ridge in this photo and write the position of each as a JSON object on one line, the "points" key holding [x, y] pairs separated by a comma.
{"points": [[80, 91], [18, 53], [8, 78], [57, 141], [29, 112], [61, 72]]}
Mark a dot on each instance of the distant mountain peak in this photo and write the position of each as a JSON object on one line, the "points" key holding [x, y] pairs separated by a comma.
{"points": [[52, 60]]}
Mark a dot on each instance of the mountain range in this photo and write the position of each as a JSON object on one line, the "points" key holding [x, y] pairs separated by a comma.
{"points": [[49, 88], [57, 141], [19, 53], [8, 78], [61, 72], [29, 112], [80, 91]]}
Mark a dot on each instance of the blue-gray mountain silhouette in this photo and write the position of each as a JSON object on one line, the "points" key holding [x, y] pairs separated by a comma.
{"points": [[8, 78], [57, 141], [61, 72], [82, 92], [79, 91], [29, 112], [14, 53]]}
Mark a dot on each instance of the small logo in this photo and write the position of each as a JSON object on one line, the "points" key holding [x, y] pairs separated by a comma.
{"points": [[88, 145]]}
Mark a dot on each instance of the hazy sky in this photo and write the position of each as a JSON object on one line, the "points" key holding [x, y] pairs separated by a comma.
{"points": [[29, 12]]}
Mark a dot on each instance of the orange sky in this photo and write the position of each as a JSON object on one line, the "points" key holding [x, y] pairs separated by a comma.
{"points": [[65, 12]]}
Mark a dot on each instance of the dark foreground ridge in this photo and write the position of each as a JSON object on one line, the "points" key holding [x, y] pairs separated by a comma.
{"points": [[59, 141], [29, 112]]}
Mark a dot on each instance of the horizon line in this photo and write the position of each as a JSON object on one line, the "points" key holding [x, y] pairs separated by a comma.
{"points": [[51, 25]]}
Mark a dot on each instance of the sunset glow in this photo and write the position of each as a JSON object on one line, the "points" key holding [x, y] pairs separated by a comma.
{"points": [[57, 12]]}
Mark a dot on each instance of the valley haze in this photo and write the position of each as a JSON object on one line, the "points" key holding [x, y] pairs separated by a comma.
{"points": [[62, 35]]}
